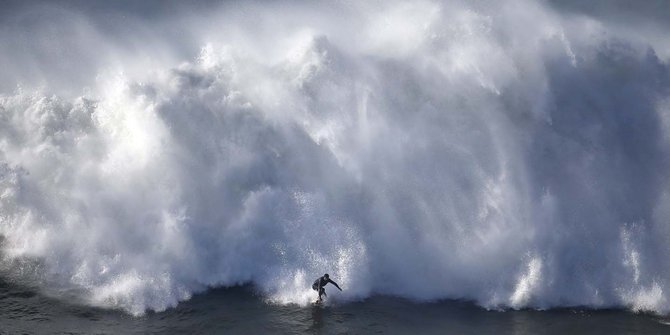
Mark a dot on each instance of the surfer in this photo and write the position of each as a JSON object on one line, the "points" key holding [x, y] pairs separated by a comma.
{"points": [[320, 282]]}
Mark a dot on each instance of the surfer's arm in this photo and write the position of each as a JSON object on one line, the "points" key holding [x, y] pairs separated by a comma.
{"points": [[334, 283]]}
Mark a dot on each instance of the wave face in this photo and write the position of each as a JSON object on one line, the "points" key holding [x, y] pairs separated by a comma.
{"points": [[505, 152]]}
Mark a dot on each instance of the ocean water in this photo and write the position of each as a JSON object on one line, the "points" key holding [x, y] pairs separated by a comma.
{"points": [[507, 162], [239, 310]]}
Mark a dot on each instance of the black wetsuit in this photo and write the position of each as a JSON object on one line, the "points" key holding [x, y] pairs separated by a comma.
{"points": [[320, 283]]}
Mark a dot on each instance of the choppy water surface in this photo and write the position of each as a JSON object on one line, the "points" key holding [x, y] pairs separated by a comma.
{"points": [[240, 311]]}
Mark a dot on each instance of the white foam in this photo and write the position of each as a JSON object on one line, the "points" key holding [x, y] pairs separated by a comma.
{"points": [[487, 151]]}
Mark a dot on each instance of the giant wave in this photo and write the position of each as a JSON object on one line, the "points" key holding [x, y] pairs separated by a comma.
{"points": [[498, 152]]}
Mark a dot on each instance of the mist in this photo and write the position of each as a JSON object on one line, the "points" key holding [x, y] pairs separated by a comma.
{"points": [[511, 153]]}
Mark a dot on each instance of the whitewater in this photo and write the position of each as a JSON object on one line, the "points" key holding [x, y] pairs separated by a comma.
{"points": [[502, 152]]}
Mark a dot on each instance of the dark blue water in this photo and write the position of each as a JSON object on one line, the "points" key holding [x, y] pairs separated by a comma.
{"points": [[240, 311]]}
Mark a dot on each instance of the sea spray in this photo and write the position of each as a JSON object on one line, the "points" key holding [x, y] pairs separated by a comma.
{"points": [[498, 152]]}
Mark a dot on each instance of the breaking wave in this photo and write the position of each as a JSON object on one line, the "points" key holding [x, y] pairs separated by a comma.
{"points": [[500, 152]]}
